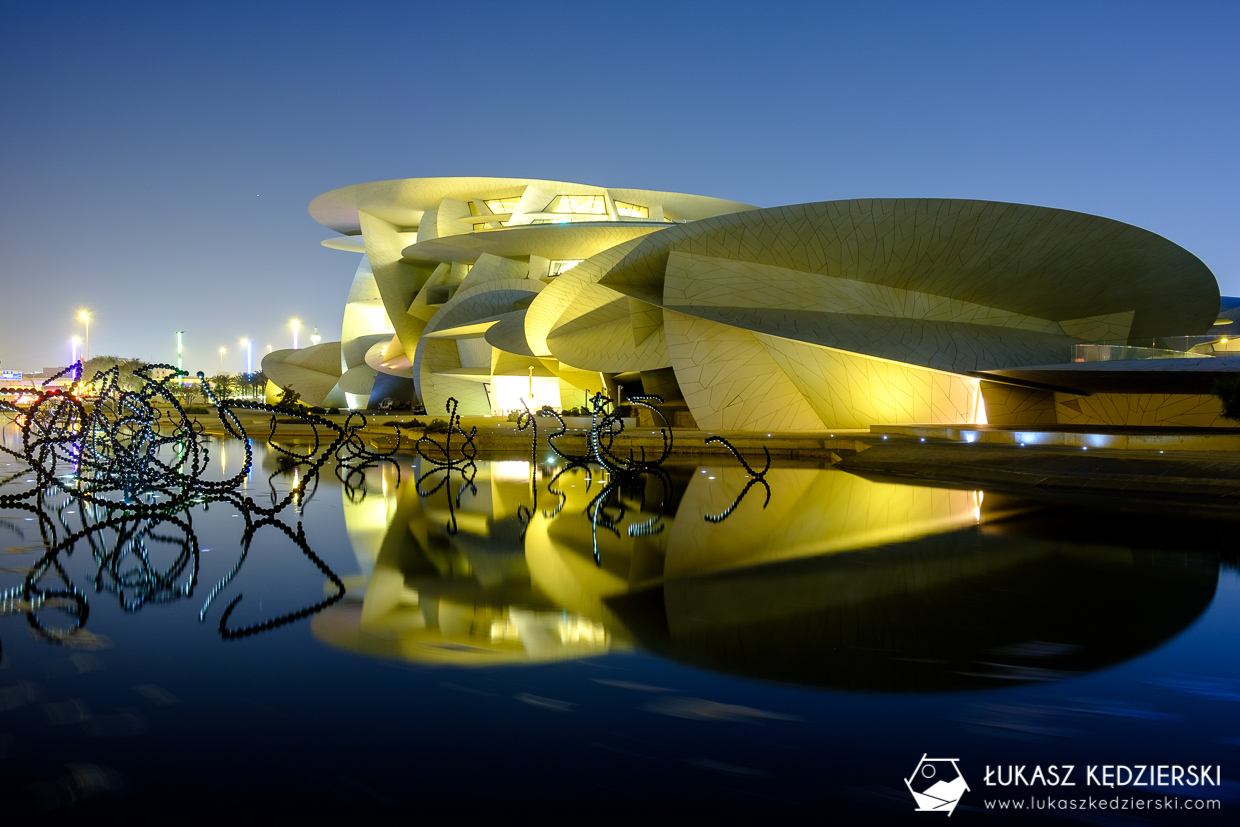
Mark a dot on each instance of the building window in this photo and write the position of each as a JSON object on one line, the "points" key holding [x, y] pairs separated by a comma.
{"points": [[503, 205], [578, 204], [563, 266], [625, 210]]}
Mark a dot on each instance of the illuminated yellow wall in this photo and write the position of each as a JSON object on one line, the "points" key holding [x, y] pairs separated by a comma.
{"points": [[737, 380]]}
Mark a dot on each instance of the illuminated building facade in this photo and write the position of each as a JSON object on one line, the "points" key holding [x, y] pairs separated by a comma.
{"points": [[825, 315]]}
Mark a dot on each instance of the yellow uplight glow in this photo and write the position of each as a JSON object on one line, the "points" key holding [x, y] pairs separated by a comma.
{"points": [[508, 392]]}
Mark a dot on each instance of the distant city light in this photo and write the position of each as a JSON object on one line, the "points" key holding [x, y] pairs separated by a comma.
{"points": [[84, 316]]}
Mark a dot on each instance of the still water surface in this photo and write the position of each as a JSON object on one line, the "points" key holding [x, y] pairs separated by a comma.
{"points": [[797, 658]]}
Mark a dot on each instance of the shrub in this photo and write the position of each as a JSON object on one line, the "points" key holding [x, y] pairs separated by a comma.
{"points": [[289, 400], [318, 410], [196, 409], [437, 426], [1227, 389]]}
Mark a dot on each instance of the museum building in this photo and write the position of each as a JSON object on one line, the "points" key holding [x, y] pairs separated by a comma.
{"points": [[834, 314]]}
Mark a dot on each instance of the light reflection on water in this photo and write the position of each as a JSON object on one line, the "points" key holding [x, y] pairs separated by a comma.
{"points": [[785, 659], [840, 582]]}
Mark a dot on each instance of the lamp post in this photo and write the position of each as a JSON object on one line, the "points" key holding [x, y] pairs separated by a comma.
{"points": [[84, 315], [295, 323], [180, 350], [249, 356], [75, 349], [315, 338], [221, 360]]}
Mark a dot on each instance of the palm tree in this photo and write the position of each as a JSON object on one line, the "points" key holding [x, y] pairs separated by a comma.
{"points": [[254, 383], [223, 385], [125, 376]]}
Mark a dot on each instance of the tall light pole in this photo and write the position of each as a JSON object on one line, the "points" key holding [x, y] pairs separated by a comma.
{"points": [[180, 333], [249, 356], [294, 323], [84, 315], [222, 350], [75, 349], [315, 338]]}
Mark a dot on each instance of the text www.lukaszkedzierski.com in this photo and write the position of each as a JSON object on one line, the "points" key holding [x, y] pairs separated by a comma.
{"points": [[1090, 803]]}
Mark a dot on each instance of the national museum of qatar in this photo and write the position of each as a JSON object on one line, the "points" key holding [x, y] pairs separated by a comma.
{"points": [[501, 292]]}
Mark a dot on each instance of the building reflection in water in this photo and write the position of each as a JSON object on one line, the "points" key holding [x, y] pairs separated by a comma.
{"points": [[840, 582]]}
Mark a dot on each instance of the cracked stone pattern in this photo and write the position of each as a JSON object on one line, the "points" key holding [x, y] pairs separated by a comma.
{"points": [[1134, 409]]}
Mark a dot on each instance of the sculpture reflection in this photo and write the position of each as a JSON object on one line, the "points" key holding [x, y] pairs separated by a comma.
{"points": [[839, 582]]}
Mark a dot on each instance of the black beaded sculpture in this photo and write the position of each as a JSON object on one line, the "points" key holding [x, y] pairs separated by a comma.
{"points": [[132, 464]]}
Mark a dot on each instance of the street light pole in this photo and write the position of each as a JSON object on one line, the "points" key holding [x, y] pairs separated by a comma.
{"points": [[221, 360], [294, 323]]}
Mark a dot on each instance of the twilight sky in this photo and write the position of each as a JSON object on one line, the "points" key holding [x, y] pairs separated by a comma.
{"points": [[156, 159]]}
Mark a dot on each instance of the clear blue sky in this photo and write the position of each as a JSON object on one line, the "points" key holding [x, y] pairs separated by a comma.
{"points": [[156, 159]]}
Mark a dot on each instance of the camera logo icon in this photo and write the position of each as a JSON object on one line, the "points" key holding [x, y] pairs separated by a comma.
{"points": [[936, 784]]}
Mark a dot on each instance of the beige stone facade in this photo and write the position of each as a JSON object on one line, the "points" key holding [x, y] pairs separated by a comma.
{"points": [[835, 314]]}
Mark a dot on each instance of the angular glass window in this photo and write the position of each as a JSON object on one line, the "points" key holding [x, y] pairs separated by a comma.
{"points": [[563, 266], [626, 210], [578, 204], [503, 205]]}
